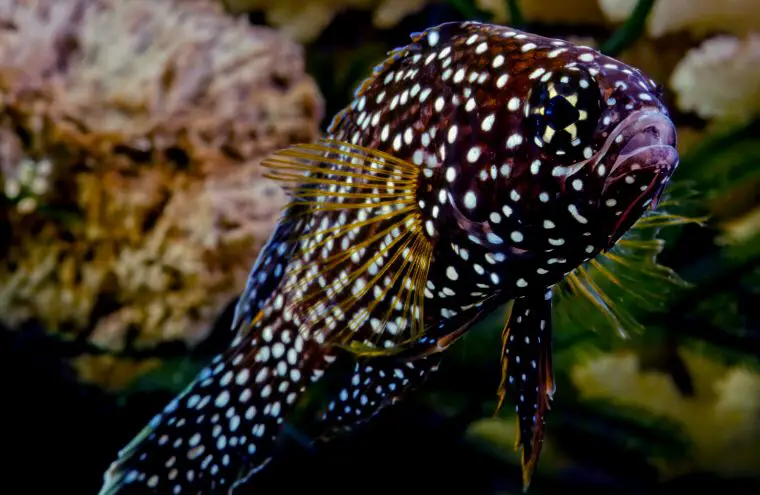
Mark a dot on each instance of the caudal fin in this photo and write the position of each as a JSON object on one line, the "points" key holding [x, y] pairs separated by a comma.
{"points": [[223, 427]]}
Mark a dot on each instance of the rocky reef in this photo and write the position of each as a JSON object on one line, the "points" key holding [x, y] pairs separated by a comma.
{"points": [[131, 132]]}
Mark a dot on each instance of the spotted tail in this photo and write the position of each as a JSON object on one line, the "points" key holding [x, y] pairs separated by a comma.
{"points": [[223, 427], [527, 374]]}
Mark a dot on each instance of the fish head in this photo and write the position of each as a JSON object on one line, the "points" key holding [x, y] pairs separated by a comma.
{"points": [[532, 154], [606, 131], [639, 154], [563, 155]]}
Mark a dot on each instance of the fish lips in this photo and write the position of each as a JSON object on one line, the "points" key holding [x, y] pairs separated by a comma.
{"points": [[646, 160]]}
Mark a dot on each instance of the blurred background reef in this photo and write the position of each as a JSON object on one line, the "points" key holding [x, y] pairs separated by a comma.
{"points": [[132, 206]]}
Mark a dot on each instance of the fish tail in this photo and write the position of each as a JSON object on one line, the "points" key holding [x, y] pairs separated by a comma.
{"points": [[223, 428]]}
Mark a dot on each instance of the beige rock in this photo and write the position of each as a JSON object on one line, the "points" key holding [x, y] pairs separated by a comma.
{"points": [[694, 16], [720, 79], [131, 133]]}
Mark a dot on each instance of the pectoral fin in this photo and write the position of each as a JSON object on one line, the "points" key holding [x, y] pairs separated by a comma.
{"points": [[366, 251]]}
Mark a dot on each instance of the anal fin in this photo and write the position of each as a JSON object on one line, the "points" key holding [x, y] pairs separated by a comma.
{"points": [[527, 375], [373, 385]]}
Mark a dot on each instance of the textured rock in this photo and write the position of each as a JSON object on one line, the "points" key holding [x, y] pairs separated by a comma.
{"points": [[720, 78], [695, 16], [130, 138]]}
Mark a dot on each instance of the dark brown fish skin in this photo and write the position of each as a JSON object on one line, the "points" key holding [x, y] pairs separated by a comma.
{"points": [[532, 197], [561, 220], [506, 213]]}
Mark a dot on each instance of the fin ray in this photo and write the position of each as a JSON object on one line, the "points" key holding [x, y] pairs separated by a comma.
{"points": [[625, 279], [380, 275]]}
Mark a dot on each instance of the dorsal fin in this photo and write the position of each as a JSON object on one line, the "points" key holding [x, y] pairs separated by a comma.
{"points": [[266, 274]]}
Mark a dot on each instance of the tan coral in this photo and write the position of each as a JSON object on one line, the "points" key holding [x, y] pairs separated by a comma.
{"points": [[111, 373], [657, 57], [696, 16], [391, 12], [720, 78], [131, 133]]}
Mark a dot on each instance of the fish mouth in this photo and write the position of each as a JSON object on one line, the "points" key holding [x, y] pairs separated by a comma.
{"points": [[646, 139], [646, 159]]}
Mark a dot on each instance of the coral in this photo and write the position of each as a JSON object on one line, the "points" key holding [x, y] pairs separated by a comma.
{"points": [[695, 16], [130, 138], [111, 373], [725, 396], [390, 12], [720, 78]]}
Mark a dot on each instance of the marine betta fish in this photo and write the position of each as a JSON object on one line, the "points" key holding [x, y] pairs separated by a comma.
{"points": [[477, 165]]}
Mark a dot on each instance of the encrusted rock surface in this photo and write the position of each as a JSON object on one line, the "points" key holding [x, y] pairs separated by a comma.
{"points": [[132, 203]]}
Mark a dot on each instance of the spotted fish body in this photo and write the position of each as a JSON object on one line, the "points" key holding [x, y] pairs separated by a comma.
{"points": [[477, 165]]}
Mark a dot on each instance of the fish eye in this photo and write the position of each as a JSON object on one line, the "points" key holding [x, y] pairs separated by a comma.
{"points": [[563, 113]]}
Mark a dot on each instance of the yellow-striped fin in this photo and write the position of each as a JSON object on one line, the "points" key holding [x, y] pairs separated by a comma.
{"points": [[363, 258]]}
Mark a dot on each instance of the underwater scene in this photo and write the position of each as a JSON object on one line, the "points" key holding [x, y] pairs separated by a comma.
{"points": [[487, 247]]}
